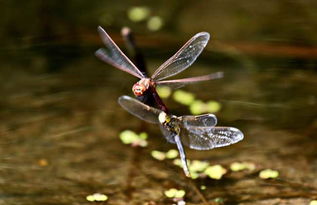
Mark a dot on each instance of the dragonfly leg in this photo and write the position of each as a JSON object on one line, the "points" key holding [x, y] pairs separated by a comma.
{"points": [[182, 155]]}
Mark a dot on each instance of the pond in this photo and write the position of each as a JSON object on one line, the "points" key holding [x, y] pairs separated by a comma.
{"points": [[60, 120]]}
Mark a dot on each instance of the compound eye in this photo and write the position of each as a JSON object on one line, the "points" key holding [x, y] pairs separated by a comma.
{"points": [[138, 90]]}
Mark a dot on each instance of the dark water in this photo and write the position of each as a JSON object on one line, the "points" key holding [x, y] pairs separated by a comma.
{"points": [[60, 120]]}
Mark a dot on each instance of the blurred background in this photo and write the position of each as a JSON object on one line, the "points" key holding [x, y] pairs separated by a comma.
{"points": [[60, 120]]}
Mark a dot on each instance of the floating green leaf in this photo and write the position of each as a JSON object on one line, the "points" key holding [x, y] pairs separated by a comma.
{"points": [[198, 166], [215, 171], [174, 193], [203, 187], [155, 23], [137, 14], [158, 155], [177, 162], [219, 200], [97, 197], [130, 137], [313, 202], [180, 194], [213, 106], [268, 174], [199, 107], [239, 166], [171, 154], [143, 135], [183, 97], [164, 91]]}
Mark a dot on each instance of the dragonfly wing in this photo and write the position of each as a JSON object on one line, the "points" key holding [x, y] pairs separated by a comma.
{"points": [[198, 121], [138, 109], [178, 83], [205, 138], [114, 56], [169, 136], [184, 57]]}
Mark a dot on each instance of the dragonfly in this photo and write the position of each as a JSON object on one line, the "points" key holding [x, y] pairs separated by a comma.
{"points": [[180, 61], [198, 132]]}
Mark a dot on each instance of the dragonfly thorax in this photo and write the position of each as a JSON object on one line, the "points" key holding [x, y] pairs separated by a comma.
{"points": [[169, 122], [141, 86]]}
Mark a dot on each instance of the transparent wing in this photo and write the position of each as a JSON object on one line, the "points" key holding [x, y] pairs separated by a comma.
{"points": [[181, 82], [205, 138], [184, 57], [114, 56], [138, 109], [169, 136], [205, 120]]}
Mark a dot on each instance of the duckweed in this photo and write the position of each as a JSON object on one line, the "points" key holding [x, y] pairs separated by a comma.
{"points": [[174, 193], [183, 97], [313, 202], [155, 23], [158, 155], [219, 200], [198, 166], [203, 187], [239, 166], [268, 174], [215, 171], [97, 197], [177, 162], [171, 154], [130, 137], [164, 91], [199, 107], [213, 106], [137, 14]]}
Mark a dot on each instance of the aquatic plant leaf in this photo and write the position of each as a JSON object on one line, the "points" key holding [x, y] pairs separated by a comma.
{"points": [[313, 202], [268, 174], [215, 172], [239, 166], [183, 97], [155, 23], [164, 91], [97, 197], [171, 154], [158, 155], [138, 13]]}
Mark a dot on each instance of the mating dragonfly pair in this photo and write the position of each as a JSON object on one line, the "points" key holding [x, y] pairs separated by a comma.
{"points": [[196, 132]]}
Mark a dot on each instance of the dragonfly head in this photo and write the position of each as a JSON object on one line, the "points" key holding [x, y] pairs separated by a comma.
{"points": [[141, 86], [164, 118]]}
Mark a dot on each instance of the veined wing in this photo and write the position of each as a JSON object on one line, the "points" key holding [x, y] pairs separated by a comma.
{"points": [[198, 121], [138, 109], [205, 138], [169, 136], [184, 57], [181, 82], [114, 56]]}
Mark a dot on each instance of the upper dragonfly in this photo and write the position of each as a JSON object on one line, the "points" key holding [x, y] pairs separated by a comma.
{"points": [[181, 60], [196, 132]]}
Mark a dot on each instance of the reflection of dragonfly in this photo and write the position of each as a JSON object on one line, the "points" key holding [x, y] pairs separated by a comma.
{"points": [[196, 132], [174, 65]]}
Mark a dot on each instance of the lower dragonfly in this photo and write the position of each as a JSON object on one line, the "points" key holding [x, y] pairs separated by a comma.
{"points": [[196, 132]]}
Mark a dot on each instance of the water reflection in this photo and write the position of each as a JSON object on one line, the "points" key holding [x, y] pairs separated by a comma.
{"points": [[60, 120]]}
